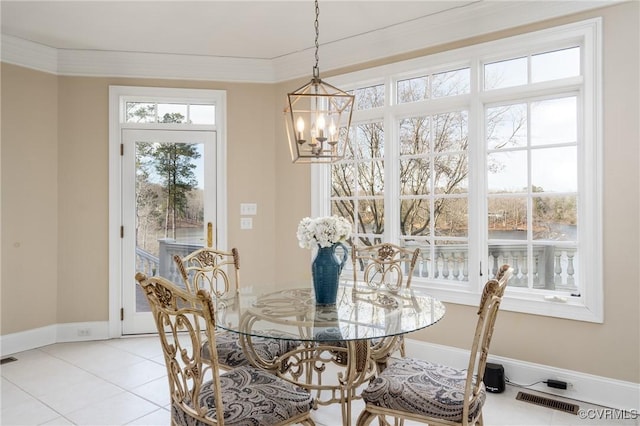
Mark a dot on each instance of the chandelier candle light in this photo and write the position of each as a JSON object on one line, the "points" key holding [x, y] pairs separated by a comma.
{"points": [[318, 117], [326, 233]]}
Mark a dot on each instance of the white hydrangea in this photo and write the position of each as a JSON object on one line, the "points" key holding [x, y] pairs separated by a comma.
{"points": [[323, 231]]}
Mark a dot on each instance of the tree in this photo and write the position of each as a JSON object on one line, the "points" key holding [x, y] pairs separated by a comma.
{"points": [[173, 165]]}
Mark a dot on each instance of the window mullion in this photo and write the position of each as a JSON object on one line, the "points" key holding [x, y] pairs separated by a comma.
{"points": [[391, 168], [478, 245]]}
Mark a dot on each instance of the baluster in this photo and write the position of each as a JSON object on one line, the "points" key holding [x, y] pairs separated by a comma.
{"points": [[536, 275], [571, 281], [465, 267], [524, 269], [456, 267], [516, 269], [445, 267], [424, 261], [436, 269], [494, 271], [557, 279]]}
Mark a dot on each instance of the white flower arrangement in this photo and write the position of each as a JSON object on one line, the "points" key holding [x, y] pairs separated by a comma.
{"points": [[323, 231]]}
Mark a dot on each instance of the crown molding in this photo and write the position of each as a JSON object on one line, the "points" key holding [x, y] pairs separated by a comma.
{"points": [[473, 20], [152, 65], [27, 54]]}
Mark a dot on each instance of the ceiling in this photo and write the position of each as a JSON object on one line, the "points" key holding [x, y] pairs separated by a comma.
{"points": [[274, 38], [241, 29]]}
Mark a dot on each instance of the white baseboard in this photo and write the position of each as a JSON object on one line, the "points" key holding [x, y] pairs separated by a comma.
{"points": [[582, 387], [57, 333]]}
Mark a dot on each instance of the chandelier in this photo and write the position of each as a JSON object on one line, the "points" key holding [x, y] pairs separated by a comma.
{"points": [[318, 117]]}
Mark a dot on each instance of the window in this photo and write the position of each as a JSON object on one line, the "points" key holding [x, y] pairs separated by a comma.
{"points": [[482, 158], [158, 112]]}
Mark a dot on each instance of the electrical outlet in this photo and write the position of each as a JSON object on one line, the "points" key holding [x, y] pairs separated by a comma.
{"points": [[83, 332], [246, 223]]}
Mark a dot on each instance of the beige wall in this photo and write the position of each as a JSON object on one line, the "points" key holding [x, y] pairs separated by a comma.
{"points": [[55, 207], [611, 349], [29, 199]]}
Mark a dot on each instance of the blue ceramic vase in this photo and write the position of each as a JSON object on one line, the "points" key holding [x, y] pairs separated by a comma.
{"points": [[326, 269]]}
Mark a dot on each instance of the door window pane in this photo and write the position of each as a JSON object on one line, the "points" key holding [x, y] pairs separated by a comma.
{"points": [[202, 114], [140, 112], [172, 113]]}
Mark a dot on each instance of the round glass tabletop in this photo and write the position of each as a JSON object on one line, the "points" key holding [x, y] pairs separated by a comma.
{"points": [[358, 314]]}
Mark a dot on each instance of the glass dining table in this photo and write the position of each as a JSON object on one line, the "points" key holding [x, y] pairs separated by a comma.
{"points": [[341, 346]]}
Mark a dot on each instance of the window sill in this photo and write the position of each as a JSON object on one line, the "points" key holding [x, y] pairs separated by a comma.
{"points": [[535, 304]]}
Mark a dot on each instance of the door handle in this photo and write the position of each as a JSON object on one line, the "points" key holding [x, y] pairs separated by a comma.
{"points": [[209, 234]]}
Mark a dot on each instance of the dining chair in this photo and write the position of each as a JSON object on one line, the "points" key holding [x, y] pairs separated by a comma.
{"points": [[389, 267], [431, 393], [218, 272], [384, 266], [200, 394]]}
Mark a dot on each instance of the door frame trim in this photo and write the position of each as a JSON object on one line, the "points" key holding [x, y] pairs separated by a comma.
{"points": [[116, 99]]}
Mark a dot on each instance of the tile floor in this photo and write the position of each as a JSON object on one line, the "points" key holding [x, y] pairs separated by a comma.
{"points": [[122, 382]]}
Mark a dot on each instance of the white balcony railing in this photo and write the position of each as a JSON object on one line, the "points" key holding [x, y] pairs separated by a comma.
{"points": [[553, 267]]}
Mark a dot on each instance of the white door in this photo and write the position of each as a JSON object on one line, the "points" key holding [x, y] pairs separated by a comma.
{"points": [[168, 207]]}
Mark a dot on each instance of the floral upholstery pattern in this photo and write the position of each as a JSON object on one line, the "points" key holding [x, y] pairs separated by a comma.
{"points": [[251, 397], [422, 387], [230, 352]]}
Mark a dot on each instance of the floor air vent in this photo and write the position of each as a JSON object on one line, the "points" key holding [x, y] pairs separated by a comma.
{"points": [[7, 359], [548, 402]]}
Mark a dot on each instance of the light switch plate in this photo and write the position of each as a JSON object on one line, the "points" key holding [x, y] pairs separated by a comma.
{"points": [[246, 223], [248, 209]]}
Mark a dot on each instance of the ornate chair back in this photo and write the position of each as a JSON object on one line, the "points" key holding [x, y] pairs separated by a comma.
{"points": [[384, 266], [487, 314], [214, 270], [199, 393], [185, 322], [436, 394]]}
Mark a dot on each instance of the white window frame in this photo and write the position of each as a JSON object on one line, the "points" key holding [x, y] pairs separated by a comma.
{"points": [[588, 34]]}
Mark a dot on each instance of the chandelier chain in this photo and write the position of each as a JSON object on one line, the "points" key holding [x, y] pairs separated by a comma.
{"points": [[316, 70]]}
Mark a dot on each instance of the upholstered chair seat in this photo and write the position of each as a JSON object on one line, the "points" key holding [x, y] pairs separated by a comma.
{"points": [[231, 355], [251, 397], [424, 388], [219, 272]]}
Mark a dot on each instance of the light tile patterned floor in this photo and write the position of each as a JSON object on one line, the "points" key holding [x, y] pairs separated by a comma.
{"points": [[123, 382]]}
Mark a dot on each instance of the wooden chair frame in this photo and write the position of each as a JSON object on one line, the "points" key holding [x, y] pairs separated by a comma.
{"points": [[487, 314], [379, 262], [207, 268], [185, 322]]}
